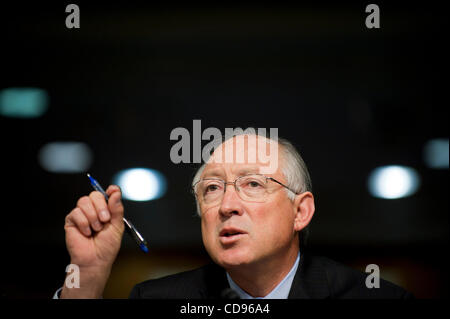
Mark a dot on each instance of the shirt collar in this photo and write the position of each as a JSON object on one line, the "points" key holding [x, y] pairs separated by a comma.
{"points": [[281, 291]]}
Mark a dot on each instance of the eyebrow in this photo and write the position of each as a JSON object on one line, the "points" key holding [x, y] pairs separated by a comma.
{"points": [[248, 170], [217, 172], [213, 173]]}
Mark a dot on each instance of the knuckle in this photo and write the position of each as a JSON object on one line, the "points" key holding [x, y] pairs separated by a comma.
{"points": [[95, 195], [83, 201], [83, 223], [72, 214], [91, 215], [98, 200]]}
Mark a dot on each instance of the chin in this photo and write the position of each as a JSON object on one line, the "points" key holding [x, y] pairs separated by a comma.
{"points": [[233, 257]]}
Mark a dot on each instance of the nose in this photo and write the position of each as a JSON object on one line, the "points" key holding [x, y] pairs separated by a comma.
{"points": [[231, 202]]}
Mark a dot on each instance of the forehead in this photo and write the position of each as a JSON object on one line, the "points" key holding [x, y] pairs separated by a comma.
{"points": [[245, 154]]}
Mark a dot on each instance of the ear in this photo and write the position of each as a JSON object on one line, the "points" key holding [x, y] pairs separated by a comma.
{"points": [[304, 210]]}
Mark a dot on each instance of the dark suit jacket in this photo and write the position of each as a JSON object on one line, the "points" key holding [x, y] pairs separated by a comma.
{"points": [[316, 278]]}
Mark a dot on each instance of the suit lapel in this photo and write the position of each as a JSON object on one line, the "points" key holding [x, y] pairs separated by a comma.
{"points": [[310, 281], [214, 282]]}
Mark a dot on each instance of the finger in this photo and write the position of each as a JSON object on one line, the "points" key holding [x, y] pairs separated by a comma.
{"points": [[88, 209], [112, 188], [78, 219], [115, 203], [101, 207]]}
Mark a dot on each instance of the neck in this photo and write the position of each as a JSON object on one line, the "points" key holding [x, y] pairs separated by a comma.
{"points": [[259, 279]]}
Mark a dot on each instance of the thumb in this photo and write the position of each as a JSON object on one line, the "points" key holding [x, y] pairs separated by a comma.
{"points": [[115, 204]]}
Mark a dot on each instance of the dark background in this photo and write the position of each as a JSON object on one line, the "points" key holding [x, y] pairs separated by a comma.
{"points": [[350, 98]]}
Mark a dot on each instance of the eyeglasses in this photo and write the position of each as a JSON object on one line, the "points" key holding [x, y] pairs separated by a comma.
{"points": [[251, 188]]}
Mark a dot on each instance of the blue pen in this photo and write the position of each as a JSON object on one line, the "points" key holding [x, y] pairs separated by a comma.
{"points": [[129, 226]]}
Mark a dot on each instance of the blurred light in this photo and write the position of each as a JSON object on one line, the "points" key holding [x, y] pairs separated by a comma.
{"points": [[141, 184], [392, 182], [23, 102], [435, 153], [65, 157]]}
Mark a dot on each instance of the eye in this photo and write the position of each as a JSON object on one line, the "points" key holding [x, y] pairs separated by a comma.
{"points": [[211, 188], [254, 184]]}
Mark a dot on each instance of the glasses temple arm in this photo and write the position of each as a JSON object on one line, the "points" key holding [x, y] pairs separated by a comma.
{"points": [[273, 179]]}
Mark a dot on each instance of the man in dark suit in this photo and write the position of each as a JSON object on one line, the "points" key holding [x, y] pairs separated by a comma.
{"points": [[254, 209], [316, 278]]}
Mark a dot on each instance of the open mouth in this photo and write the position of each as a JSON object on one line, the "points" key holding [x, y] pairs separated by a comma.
{"points": [[229, 234]]}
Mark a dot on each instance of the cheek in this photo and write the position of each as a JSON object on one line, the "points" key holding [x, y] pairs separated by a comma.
{"points": [[272, 223], [262, 223], [208, 231]]}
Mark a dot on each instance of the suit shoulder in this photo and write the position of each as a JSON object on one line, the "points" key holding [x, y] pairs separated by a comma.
{"points": [[346, 282], [181, 285]]}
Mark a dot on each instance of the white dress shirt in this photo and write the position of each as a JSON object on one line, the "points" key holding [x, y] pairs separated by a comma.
{"points": [[281, 291]]}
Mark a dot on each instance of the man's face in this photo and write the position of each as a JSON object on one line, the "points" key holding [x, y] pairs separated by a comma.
{"points": [[265, 229]]}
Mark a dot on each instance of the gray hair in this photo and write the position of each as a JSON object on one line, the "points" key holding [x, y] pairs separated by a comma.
{"points": [[293, 168]]}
